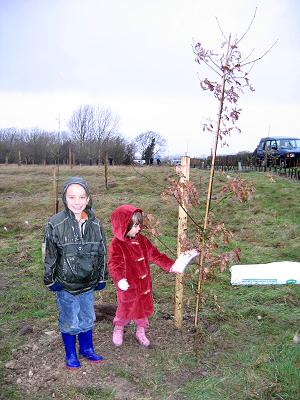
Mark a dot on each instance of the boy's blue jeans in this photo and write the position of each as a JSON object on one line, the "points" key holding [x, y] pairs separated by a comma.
{"points": [[75, 312]]}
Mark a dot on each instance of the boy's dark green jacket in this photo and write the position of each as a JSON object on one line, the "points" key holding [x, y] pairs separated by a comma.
{"points": [[76, 261]]}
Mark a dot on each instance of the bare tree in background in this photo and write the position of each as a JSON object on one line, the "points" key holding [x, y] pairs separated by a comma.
{"points": [[91, 127], [144, 140], [81, 125], [105, 128], [93, 132], [105, 123], [9, 138]]}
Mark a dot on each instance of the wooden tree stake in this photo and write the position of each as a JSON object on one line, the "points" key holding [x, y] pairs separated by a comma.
{"points": [[208, 199], [182, 233]]}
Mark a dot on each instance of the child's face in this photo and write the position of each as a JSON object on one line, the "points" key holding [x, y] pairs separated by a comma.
{"points": [[76, 199], [134, 230]]}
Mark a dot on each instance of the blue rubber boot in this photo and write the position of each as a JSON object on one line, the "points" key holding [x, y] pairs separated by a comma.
{"points": [[86, 348], [72, 361]]}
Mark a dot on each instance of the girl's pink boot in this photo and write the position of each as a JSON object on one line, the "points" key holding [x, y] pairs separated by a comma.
{"points": [[141, 337], [118, 335]]}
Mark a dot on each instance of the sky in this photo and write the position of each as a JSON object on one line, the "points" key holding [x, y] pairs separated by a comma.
{"points": [[135, 57]]}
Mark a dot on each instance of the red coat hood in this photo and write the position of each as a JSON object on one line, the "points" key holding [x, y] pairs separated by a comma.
{"points": [[120, 220]]}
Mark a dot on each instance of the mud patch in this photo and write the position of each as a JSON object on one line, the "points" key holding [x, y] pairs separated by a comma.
{"points": [[129, 372]]}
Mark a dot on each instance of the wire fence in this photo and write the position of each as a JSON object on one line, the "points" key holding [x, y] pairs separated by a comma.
{"points": [[287, 172]]}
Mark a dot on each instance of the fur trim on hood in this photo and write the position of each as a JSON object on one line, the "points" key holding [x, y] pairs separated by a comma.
{"points": [[120, 220]]}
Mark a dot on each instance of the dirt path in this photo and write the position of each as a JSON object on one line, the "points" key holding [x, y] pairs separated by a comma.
{"points": [[132, 372]]}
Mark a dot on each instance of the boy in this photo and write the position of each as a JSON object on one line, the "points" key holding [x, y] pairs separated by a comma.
{"points": [[75, 266]]}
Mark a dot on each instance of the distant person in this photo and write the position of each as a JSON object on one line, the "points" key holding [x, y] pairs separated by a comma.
{"points": [[75, 266], [130, 255]]}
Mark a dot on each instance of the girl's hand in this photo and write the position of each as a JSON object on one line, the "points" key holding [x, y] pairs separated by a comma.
{"points": [[123, 284]]}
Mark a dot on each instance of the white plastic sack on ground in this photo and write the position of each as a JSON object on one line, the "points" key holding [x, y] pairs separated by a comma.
{"points": [[274, 273]]}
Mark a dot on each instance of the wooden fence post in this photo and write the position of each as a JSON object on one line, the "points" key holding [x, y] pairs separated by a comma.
{"points": [[105, 169], [70, 157], [54, 191], [182, 233]]}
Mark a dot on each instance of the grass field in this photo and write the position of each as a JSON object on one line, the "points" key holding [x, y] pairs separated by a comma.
{"points": [[243, 347]]}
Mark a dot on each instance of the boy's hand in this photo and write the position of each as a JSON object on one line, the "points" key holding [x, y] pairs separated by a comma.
{"points": [[123, 284], [101, 285], [55, 287], [183, 260]]}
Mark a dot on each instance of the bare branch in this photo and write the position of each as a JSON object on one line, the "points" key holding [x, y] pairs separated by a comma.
{"points": [[216, 65], [247, 30], [259, 58], [249, 55], [226, 40]]}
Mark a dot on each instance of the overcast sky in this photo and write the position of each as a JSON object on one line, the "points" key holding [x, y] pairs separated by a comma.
{"points": [[135, 57]]}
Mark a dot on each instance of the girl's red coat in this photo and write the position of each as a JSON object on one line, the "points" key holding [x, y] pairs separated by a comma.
{"points": [[130, 258]]}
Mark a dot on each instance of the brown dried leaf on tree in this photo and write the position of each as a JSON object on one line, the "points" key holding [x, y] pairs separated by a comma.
{"points": [[222, 261], [184, 192], [208, 242], [219, 261], [150, 225], [229, 66]]}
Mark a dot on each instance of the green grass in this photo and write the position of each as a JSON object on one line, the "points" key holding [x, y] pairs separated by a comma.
{"points": [[242, 348], [259, 371]]}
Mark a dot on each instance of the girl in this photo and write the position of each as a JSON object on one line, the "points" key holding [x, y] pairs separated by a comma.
{"points": [[130, 255]]}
